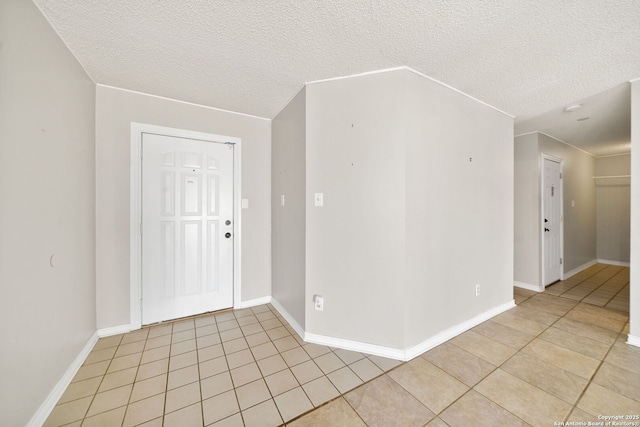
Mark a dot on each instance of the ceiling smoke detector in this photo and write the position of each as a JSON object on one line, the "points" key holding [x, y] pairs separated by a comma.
{"points": [[571, 108]]}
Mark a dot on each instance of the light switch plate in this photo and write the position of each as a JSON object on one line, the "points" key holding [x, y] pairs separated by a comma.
{"points": [[319, 199], [245, 203]]}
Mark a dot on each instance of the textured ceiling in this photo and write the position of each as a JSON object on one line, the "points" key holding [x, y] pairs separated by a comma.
{"points": [[528, 58], [606, 130]]}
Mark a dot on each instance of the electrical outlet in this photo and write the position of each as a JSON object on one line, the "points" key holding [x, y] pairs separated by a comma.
{"points": [[319, 303], [478, 289]]}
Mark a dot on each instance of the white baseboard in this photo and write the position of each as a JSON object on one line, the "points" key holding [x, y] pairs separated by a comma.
{"points": [[579, 269], [528, 286], [253, 302], [49, 403], [416, 350], [288, 317], [456, 330], [376, 350], [633, 340], [114, 330], [611, 262]]}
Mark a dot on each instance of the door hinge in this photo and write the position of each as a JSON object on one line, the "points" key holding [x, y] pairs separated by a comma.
{"points": [[560, 261], [560, 175], [230, 143]]}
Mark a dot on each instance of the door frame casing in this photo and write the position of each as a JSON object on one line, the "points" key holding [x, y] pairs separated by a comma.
{"points": [[560, 161], [135, 209]]}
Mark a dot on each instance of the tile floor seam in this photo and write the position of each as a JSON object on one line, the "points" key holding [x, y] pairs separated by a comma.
{"points": [[199, 378], [573, 408], [356, 411], [602, 284], [263, 378], [616, 295], [589, 380], [342, 395], [486, 397], [93, 398], [101, 381], [486, 376], [124, 416], [166, 385]]}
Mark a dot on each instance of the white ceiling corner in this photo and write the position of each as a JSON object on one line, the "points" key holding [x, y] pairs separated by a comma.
{"points": [[528, 58]]}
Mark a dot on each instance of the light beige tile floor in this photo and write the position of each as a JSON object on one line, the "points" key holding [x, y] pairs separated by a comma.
{"points": [[551, 359], [601, 284], [240, 367]]}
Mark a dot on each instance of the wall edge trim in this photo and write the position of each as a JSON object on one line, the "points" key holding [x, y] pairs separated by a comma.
{"points": [[253, 302], [633, 340], [137, 92], [612, 262], [407, 68], [455, 330], [114, 330], [579, 269], [416, 350], [460, 92], [64, 42], [566, 143], [373, 349], [304, 86], [49, 403], [288, 317], [528, 286]]}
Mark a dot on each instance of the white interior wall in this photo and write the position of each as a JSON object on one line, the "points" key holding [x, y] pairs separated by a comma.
{"points": [[613, 208], [405, 208], [459, 208], [47, 191], [355, 242], [115, 110], [288, 178], [526, 257]]}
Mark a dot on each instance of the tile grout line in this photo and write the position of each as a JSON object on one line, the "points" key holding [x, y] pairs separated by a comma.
{"points": [[589, 380], [124, 416], [102, 379], [166, 385], [501, 364], [601, 285], [195, 333], [575, 405]]}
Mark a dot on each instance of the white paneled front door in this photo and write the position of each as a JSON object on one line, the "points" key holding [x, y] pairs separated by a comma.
{"points": [[552, 220], [187, 229]]}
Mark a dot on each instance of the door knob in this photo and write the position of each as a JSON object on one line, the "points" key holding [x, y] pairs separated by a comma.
{"points": [[545, 230], [227, 235], [546, 220]]}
